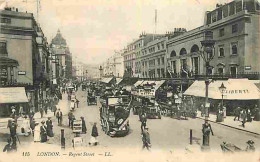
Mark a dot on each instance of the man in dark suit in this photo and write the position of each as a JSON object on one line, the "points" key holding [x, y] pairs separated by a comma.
{"points": [[59, 117]]}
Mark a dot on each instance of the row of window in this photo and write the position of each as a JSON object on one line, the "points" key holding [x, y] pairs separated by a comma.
{"points": [[234, 29], [153, 49], [230, 9], [6, 20], [233, 50]]}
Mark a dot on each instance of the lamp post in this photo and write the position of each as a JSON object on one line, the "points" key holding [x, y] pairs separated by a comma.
{"points": [[222, 89], [207, 53]]}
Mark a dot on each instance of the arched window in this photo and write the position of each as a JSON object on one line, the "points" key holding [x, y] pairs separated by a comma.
{"points": [[183, 51], [173, 53], [194, 49]]}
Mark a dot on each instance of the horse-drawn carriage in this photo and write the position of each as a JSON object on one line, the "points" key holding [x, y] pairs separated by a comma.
{"points": [[92, 100], [144, 102], [114, 114]]}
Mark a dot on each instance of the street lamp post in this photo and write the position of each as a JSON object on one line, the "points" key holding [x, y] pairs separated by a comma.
{"points": [[222, 89], [207, 53]]}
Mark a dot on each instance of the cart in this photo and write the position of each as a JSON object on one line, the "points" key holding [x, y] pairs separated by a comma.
{"points": [[92, 100], [77, 126]]}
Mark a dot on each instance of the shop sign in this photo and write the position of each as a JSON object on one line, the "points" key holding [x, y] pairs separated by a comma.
{"points": [[247, 67], [21, 72]]}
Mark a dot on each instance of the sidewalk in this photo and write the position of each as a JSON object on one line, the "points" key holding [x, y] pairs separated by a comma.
{"points": [[63, 105], [251, 127]]}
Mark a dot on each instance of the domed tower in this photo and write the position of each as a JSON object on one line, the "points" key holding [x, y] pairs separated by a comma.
{"points": [[61, 50]]}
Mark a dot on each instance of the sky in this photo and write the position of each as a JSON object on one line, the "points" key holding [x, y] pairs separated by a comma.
{"points": [[94, 29]]}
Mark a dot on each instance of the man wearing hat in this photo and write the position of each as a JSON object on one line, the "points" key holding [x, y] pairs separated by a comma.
{"points": [[13, 128], [70, 118], [59, 117], [146, 139], [43, 130]]}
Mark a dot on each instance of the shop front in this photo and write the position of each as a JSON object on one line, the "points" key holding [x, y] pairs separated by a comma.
{"points": [[13, 96]]}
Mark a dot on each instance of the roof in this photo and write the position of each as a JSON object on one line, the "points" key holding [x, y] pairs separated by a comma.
{"points": [[58, 39], [13, 95], [139, 82], [236, 89], [107, 80], [118, 80]]}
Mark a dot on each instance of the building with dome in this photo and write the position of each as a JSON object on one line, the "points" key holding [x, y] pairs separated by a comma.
{"points": [[62, 53]]}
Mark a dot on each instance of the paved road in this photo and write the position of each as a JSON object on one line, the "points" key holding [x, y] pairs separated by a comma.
{"points": [[166, 133]]}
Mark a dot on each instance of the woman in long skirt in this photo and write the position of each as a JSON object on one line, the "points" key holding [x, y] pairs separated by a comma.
{"points": [[94, 134], [26, 126], [49, 127], [84, 128], [43, 132], [37, 132]]}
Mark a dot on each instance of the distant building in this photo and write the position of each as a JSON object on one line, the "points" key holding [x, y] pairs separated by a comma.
{"points": [[114, 66], [61, 50]]}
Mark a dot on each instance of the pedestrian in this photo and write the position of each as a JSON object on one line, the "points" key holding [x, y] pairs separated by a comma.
{"points": [[21, 110], [84, 128], [32, 125], [206, 130], [77, 103], [41, 112], [54, 108], [256, 113], [146, 139], [46, 106], [26, 126], [13, 114], [49, 127], [37, 133], [202, 109], [94, 135], [59, 117], [243, 116], [143, 122], [70, 118], [248, 113], [237, 113], [43, 133], [13, 134], [31, 114]]}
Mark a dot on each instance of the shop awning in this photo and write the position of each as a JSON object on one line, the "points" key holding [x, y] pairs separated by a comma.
{"points": [[5, 61], [236, 89], [13, 95], [119, 80], [106, 80], [158, 84], [257, 83], [139, 82]]}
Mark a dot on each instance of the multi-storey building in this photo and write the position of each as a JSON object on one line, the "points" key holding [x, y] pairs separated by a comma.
{"points": [[133, 54], [24, 55], [235, 28], [153, 60]]}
